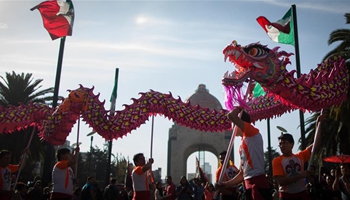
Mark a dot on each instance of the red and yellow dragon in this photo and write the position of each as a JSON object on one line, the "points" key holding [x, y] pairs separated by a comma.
{"points": [[325, 86]]}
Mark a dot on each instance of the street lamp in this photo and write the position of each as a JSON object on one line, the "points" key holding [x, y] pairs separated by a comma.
{"points": [[90, 154]]}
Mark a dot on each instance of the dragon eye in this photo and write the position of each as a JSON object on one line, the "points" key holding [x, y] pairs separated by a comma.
{"points": [[253, 52]]}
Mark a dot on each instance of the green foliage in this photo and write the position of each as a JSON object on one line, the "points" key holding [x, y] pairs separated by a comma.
{"points": [[22, 88], [274, 154], [16, 89], [96, 165], [335, 131]]}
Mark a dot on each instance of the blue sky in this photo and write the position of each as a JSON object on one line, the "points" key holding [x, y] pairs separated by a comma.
{"points": [[161, 45]]}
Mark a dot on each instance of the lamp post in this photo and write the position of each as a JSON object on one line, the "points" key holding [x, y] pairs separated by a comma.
{"points": [[90, 153]]}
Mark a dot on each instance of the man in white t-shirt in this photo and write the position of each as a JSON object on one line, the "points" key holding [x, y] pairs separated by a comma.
{"points": [[140, 180], [62, 174]]}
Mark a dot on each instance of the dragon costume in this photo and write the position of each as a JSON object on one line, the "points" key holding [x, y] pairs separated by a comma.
{"points": [[325, 86]]}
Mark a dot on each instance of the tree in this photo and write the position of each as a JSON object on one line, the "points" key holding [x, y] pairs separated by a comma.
{"points": [[22, 88], [335, 128], [274, 154]]}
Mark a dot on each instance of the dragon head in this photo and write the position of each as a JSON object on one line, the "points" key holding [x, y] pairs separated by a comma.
{"points": [[256, 62]]}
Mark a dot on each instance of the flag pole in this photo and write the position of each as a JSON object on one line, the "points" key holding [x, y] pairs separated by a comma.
{"points": [[111, 113], [50, 152], [297, 60]]}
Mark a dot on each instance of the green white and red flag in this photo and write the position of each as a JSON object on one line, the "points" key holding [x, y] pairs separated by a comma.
{"points": [[58, 17], [281, 31]]}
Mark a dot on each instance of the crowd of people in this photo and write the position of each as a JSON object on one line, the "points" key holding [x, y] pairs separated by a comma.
{"points": [[290, 179]]}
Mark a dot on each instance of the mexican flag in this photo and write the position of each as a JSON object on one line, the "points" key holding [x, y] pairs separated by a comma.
{"points": [[281, 31], [58, 17]]}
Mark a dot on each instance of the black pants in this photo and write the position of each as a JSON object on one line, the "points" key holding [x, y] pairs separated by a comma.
{"points": [[229, 197]]}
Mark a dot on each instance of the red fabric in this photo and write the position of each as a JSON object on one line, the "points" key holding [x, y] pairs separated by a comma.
{"points": [[283, 28], [142, 195], [254, 183], [57, 25]]}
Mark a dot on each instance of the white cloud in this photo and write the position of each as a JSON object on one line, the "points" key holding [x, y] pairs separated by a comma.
{"points": [[3, 26], [327, 6]]}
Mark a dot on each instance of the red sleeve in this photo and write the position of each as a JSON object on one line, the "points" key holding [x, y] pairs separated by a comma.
{"points": [[13, 168], [249, 130], [217, 174], [62, 164], [138, 170], [305, 154]]}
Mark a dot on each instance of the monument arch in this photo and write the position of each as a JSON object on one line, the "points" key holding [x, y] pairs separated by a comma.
{"points": [[184, 141]]}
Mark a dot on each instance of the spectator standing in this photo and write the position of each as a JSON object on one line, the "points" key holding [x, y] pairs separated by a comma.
{"points": [[170, 188], [342, 182], [198, 189], [88, 190], [184, 190], [35, 192], [111, 191]]}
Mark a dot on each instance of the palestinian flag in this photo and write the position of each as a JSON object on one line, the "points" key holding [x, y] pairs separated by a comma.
{"points": [[281, 31], [58, 17]]}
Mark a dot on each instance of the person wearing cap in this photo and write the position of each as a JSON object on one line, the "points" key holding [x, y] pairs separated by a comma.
{"points": [[62, 174], [288, 169], [251, 150], [230, 172]]}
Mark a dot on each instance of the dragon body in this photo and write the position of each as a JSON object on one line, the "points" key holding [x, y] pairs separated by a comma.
{"points": [[55, 125], [324, 86]]}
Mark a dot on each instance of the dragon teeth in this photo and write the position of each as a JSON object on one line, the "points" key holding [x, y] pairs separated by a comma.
{"points": [[257, 65]]}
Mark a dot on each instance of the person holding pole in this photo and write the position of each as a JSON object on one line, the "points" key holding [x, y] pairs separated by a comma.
{"points": [[252, 169], [62, 174], [288, 169], [6, 192], [140, 180], [231, 170]]}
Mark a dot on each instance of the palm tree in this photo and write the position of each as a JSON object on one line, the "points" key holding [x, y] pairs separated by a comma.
{"points": [[274, 154], [22, 88], [335, 129], [342, 36]]}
